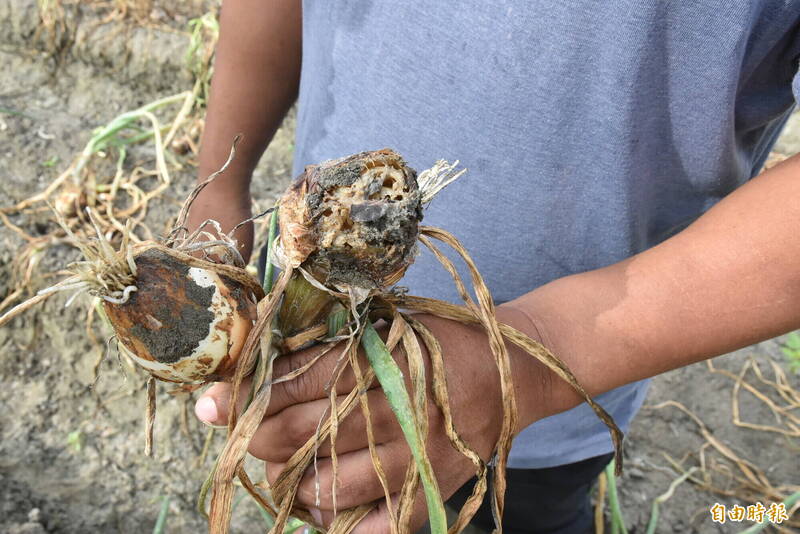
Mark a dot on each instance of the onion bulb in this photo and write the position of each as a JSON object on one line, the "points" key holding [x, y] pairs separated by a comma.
{"points": [[353, 223], [182, 318], [183, 324]]}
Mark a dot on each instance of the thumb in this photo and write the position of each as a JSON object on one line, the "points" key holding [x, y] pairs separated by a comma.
{"points": [[213, 406]]}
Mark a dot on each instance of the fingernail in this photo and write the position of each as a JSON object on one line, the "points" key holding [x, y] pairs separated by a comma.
{"points": [[316, 514], [206, 410]]}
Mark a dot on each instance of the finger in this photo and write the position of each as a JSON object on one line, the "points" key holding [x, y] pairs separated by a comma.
{"points": [[320, 519], [457, 471], [213, 406], [357, 482], [311, 384], [281, 435], [377, 520], [274, 469], [313, 368]]}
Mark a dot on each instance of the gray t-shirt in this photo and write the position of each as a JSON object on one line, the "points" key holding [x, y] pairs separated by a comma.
{"points": [[591, 131]]}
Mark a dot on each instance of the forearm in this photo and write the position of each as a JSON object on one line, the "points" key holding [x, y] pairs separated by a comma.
{"points": [[256, 76], [729, 280]]}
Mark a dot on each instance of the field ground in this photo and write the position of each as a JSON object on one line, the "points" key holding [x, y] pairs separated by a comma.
{"points": [[70, 449]]}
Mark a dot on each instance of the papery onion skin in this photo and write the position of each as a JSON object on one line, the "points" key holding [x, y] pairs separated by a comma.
{"points": [[183, 324]]}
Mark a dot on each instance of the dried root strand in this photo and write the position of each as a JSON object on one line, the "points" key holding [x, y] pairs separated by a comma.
{"points": [[253, 491], [230, 461], [78, 189], [285, 486], [442, 400], [349, 352], [406, 500], [306, 366], [242, 432], [532, 347], [376, 461], [484, 311], [105, 272], [150, 416], [783, 414], [347, 520], [416, 371], [22, 307], [743, 480], [251, 219], [180, 224], [216, 243]]}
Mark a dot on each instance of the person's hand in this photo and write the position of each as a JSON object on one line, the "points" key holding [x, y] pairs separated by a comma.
{"points": [[297, 406]]}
